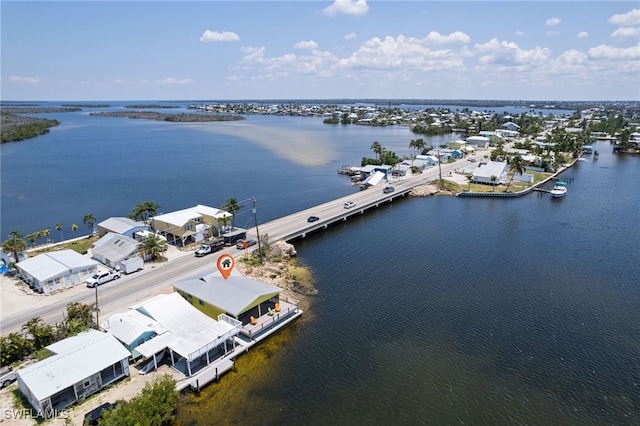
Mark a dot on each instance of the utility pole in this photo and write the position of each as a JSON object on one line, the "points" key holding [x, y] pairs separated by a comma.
{"points": [[255, 219], [97, 310], [439, 166]]}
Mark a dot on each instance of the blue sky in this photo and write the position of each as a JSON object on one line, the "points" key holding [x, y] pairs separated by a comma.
{"points": [[208, 50]]}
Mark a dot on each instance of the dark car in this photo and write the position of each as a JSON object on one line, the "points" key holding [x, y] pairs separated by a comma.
{"points": [[388, 189], [313, 218], [92, 417], [245, 243]]}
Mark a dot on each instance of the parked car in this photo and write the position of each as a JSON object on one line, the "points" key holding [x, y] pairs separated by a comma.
{"points": [[313, 218], [92, 417], [349, 204], [241, 244], [7, 376], [102, 277], [388, 189]]}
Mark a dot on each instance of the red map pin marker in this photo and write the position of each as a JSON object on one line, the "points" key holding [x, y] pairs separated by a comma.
{"points": [[226, 263]]}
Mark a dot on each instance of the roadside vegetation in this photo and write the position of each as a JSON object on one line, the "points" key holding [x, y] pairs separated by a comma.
{"points": [[35, 335]]}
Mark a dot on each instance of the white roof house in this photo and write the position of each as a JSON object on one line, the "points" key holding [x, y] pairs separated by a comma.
{"points": [[189, 334], [479, 141], [132, 328], [58, 269], [484, 173], [80, 366], [181, 226], [121, 225], [112, 249]]}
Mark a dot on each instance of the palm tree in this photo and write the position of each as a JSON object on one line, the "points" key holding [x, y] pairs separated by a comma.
{"points": [[89, 219], [153, 246], [517, 167], [494, 178], [31, 238], [59, 229], [14, 245], [42, 234], [144, 210], [416, 144], [232, 207], [74, 227], [377, 149], [469, 178], [41, 333]]}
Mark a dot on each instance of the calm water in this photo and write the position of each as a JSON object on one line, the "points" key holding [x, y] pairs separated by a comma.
{"points": [[430, 311]]}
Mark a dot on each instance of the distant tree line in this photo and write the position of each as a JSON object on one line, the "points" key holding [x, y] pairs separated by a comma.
{"points": [[15, 128]]}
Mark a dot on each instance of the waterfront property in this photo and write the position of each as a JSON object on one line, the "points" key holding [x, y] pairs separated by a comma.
{"points": [[121, 225], [189, 225], [492, 173], [80, 366], [51, 271], [190, 339], [238, 296], [132, 328]]}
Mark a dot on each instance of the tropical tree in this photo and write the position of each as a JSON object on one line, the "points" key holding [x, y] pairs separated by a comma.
{"points": [[416, 145], [14, 347], [59, 229], [43, 233], [144, 210], [494, 178], [15, 245], [73, 227], [78, 319], [516, 166], [153, 246], [31, 238], [469, 178], [377, 149], [89, 219], [154, 406], [232, 207], [39, 332]]}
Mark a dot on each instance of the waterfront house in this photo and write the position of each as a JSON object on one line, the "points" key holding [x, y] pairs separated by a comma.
{"points": [[113, 249], [51, 271], [238, 296], [192, 340], [430, 160], [79, 367], [189, 225], [121, 225], [484, 173], [478, 141]]}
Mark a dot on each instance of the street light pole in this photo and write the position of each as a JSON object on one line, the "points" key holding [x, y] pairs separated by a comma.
{"points": [[255, 219]]}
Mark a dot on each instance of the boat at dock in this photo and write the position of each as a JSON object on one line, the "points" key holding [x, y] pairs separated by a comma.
{"points": [[559, 190]]}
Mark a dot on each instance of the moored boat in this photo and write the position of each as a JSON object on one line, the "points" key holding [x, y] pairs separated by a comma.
{"points": [[559, 189]]}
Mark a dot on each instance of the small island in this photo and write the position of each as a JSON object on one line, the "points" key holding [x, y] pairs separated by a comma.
{"points": [[178, 118]]}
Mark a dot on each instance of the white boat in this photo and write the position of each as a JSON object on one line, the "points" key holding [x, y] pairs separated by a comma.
{"points": [[559, 190]]}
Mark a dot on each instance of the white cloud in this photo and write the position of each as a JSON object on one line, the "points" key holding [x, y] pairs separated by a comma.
{"points": [[630, 18], [212, 36], [520, 33], [171, 80], [350, 36], [605, 52], [504, 53], [626, 32], [306, 45], [435, 37], [582, 34], [349, 7], [23, 79], [552, 22]]}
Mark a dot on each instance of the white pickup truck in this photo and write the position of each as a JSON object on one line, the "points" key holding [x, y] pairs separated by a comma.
{"points": [[102, 277]]}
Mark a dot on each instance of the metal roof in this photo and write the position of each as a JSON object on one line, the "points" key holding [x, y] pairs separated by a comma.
{"points": [[182, 217], [234, 295], [193, 333], [114, 246], [131, 325], [75, 359], [120, 225], [46, 266]]}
